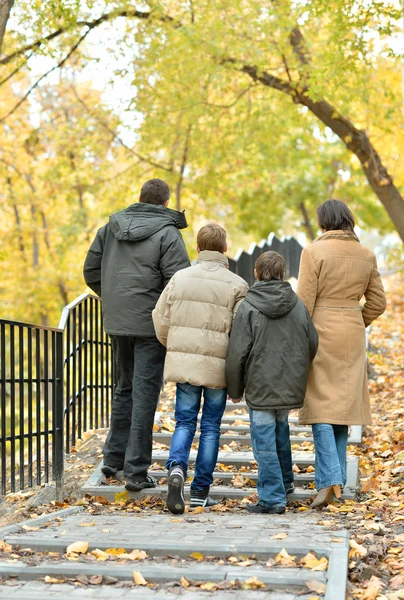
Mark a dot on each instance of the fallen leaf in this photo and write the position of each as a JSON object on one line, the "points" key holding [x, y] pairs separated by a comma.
{"points": [[197, 556], [138, 578], [285, 559], [184, 582], [198, 510], [316, 586], [279, 536], [95, 579], [77, 548], [209, 586], [89, 524], [310, 561], [116, 551], [100, 554], [49, 579], [356, 549], [253, 583]]}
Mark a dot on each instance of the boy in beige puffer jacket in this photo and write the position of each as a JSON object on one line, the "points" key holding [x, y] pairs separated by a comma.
{"points": [[193, 318]]}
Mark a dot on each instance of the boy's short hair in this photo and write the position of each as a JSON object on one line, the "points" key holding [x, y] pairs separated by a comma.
{"points": [[270, 265], [212, 237], [154, 191]]}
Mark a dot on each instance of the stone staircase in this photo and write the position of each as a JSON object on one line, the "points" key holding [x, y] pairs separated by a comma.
{"points": [[236, 464], [227, 551]]}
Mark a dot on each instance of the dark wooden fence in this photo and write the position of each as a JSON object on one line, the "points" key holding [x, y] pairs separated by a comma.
{"points": [[243, 263]]}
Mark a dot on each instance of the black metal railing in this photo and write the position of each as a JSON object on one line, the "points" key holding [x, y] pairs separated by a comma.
{"points": [[55, 384], [243, 263], [88, 368], [31, 414]]}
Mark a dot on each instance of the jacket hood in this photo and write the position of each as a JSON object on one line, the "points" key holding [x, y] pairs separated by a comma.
{"points": [[274, 298], [139, 221]]}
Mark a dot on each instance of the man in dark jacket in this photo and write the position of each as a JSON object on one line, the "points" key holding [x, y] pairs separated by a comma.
{"points": [[129, 263], [272, 344]]}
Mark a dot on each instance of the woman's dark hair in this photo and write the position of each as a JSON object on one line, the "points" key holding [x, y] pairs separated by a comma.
{"points": [[334, 214]]}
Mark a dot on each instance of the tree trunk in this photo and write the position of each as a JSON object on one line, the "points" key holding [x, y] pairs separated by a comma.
{"points": [[307, 222], [356, 140], [5, 9]]}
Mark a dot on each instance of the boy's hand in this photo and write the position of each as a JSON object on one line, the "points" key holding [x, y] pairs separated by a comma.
{"points": [[235, 400]]}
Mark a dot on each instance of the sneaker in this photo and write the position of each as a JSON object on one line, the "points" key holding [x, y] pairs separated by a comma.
{"points": [[260, 508], [136, 485], [175, 495], [108, 471], [202, 498], [290, 489]]}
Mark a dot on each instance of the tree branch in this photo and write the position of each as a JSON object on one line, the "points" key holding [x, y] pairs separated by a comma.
{"points": [[38, 81], [117, 138], [182, 167]]}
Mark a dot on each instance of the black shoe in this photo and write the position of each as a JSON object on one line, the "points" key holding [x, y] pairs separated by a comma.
{"points": [[290, 489], [264, 509], [109, 471], [202, 498], [175, 495], [136, 485]]}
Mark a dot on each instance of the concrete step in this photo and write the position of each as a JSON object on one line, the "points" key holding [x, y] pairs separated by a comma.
{"points": [[298, 432], [244, 438], [96, 485], [169, 545], [300, 478]]}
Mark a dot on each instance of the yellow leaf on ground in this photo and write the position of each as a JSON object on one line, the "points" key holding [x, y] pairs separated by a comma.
{"points": [[138, 578], [197, 556], [284, 559], [279, 536], [316, 586], [77, 547], [137, 555], [310, 561], [198, 510], [209, 586], [121, 496], [116, 551], [233, 559], [100, 554], [184, 582], [356, 549], [5, 547], [373, 589], [90, 524], [310, 469], [49, 579], [253, 583]]}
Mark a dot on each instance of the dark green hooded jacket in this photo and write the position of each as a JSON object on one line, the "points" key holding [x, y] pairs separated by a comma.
{"points": [[272, 344], [129, 263]]}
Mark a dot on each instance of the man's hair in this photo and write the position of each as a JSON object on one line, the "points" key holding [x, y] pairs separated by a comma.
{"points": [[270, 265], [211, 237], [334, 214], [154, 191]]}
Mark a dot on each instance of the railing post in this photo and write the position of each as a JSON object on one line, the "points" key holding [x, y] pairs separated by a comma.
{"points": [[58, 425]]}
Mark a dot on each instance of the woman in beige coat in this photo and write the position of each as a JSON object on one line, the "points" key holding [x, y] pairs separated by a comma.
{"points": [[336, 271]]}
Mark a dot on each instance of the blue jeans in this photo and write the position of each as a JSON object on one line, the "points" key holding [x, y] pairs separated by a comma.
{"points": [[188, 402], [271, 446], [330, 442]]}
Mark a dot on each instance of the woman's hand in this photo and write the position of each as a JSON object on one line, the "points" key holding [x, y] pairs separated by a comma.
{"points": [[235, 400]]}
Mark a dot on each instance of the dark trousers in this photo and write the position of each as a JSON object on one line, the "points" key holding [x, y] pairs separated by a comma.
{"points": [[140, 364]]}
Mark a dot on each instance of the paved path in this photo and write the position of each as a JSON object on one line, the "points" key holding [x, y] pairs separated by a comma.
{"points": [[168, 542]]}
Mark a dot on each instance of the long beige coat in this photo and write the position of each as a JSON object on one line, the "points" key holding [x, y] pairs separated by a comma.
{"points": [[193, 318], [336, 271]]}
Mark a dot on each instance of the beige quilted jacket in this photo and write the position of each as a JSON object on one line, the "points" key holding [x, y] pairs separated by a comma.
{"points": [[193, 318]]}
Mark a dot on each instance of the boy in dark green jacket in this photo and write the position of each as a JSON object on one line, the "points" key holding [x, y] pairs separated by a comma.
{"points": [[272, 343]]}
